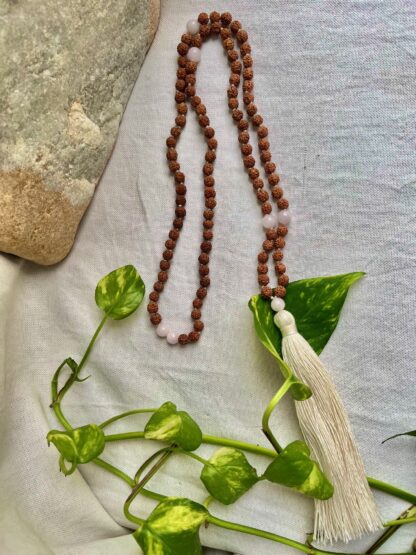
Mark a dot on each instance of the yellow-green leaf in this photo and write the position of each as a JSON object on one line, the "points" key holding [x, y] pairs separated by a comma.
{"points": [[120, 292]]}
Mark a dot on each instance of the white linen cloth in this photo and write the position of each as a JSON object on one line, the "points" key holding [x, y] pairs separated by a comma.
{"points": [[335, 82]]}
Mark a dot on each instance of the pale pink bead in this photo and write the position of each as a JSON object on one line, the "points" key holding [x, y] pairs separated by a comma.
{"points": [[162, 330], [194, 54], [172, 338], [277, 304], [269, 220], [192, 27], [283, 217]]}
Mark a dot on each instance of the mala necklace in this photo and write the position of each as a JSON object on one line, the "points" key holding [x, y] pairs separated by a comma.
{"points": [[275, 225], [351, 511]]}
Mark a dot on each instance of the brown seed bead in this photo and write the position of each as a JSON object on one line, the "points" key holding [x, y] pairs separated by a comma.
{"points": [[234, 79], [235, 26], [209, 132], [152, 308], [262, 131], [232, 91], [268, 245], [243, 125], [246, 149], [283, 279], [156, 319], [282, 230], [245, 48], [249, 161], [233, 103], [154, 296], [205, 281], [208, 214], [209, 181], [280, 243], [196, 41], [196, 314], [210, 156], [273, 179], [180, 96], [258, 183], [206, 246], [262, 269], [282, 204], [182, 48], [204, 31], [203, 258], [257, 120], [203, 18], [201, 293], [190, 79], [180, 200], [280, 268], [277, 255], [183, 339], [182, 60], [216, 27], [248, 86], [162, 276], [186, 38], [242, 36], [208, 235], [226, 18], [264, 144], [174, 234], [190, 67], [182, 108], [178, 222], [181, 73], [180, 189], [208, 168], [279, 291], [190, 91], [203, 270], [266, 291], [232, 56], [170, 142], [203, 121], [175, 132], [193, 336], [236, 66], [164, 265], [195, 101], [197, 303], [271, 233], [266, 208], [212, 143], [248, 98], [158, 286], [243, 137], [180, 213], [168, 254], [277, 192], [201, 110], [265, 156], [214, 16], [248, 73], [180, 120], [270, 167], [198, 325], [174, 166], [253, 173], [247, 61], [210, 193], [262, 195], [251, 109], [171, 154], [263, 257], [225, 33], [263, 279], [208, 224], [228, 44]]}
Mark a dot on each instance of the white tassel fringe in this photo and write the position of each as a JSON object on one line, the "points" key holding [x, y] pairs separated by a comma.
{"points": [[351, 512]]}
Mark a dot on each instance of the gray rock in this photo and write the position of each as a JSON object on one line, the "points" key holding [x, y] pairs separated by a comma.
{"points": [[66, 73]]}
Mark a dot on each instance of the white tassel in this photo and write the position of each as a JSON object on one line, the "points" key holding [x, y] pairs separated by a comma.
{"points": [[351, 511]]}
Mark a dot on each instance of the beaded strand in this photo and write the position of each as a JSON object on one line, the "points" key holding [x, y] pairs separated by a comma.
{"points": [[275, 227]]}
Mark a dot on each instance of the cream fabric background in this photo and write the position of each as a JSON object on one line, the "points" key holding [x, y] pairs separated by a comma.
{"points": [[335, 82]]}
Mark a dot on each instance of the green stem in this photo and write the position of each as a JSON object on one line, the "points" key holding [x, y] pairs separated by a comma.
{"points": [[400, 521], [194, 456], [387, 534], [116, 471], [249, 447], [91, 343], [122, 437], [124, 415], [267, 413], [392, 490]]}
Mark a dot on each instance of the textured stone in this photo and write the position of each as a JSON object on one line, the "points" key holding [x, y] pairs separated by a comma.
{"points": [[66, 73]]}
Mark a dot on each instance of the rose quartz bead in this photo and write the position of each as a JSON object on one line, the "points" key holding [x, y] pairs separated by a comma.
{"points": [[172, 338], [194, 54], [192, 27], [283, 217], [269, 221], [162, 330], [277, 304]]}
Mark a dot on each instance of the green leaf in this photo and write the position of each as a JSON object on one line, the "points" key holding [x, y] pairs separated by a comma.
{"points": [[412, 433], [228, 475], [295, 469], [315, 303], [171, 425], [120, 292], [77, 446], [172, 528]]}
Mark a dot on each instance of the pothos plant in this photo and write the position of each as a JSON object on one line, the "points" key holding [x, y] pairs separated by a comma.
{"points": [[172, 528]]}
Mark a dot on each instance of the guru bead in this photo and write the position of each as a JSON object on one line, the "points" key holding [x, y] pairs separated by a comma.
{"points": [[277, 304]]}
